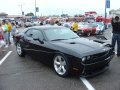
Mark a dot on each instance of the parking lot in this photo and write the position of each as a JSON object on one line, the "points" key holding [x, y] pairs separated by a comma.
{"points": [[27, 73]]}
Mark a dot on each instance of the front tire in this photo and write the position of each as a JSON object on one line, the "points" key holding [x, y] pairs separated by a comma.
{"points": [[61, 65], [88, 34], [100, 32], [20, 50]]}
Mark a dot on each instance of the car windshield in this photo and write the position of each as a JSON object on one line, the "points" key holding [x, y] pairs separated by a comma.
{"points": [[55, 34], [91, 25]]}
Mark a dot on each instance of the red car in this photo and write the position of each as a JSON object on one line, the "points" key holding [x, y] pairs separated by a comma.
{"points": [[87, 29]]}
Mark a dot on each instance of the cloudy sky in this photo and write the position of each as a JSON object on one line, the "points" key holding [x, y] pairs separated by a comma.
{"points": [[56, 7]]}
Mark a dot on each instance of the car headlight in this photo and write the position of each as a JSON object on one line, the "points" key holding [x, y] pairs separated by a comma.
{"points": [[88, 57], [83, 59]]}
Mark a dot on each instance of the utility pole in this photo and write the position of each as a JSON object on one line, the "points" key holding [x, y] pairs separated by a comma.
{"points": [[107, 5]]}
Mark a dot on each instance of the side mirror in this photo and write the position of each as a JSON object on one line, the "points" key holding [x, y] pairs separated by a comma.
{"points": [[37, 39]]}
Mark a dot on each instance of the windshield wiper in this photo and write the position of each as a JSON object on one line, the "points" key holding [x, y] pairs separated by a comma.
{"points": [[58, 39]]}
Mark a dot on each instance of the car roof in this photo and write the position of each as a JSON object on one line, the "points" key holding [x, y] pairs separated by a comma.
{"points": [[46, 27]]}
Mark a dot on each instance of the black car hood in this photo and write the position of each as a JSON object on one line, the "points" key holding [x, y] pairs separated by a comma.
{"points": [[80, 46]]}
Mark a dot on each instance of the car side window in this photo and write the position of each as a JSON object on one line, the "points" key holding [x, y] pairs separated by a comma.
{"points": [[28, 33], [37, 34]]}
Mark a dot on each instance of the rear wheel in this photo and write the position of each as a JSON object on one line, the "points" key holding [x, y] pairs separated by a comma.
{"points": [[20, 50], [61, 65]]}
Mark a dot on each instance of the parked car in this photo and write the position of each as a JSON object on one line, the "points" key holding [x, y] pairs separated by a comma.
{"points": [[36, 23], [28, 24], [87, 29], [64, 50], [90, 28]]}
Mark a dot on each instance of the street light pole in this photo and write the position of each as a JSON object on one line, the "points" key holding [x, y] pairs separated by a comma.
{"points": [[35, 7], [21, 8], [62, 11], [105, 14]]}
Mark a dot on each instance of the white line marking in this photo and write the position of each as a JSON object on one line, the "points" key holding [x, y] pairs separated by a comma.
{"points": [[87, 84], [4, 58]]}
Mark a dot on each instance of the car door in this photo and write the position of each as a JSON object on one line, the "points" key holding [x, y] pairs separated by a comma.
{"points": [[28, 40], [40, 46], [37, 47]]}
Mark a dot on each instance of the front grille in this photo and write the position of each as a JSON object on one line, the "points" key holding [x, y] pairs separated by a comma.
{"points": [[99, 57], [80, 31]]}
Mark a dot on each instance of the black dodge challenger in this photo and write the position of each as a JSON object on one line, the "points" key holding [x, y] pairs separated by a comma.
{"points": [[64, 50]]}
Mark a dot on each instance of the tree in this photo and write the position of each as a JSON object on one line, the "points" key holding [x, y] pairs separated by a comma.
{"points": [[64, 15], [29, 14], [75, 15], [80, 15]]}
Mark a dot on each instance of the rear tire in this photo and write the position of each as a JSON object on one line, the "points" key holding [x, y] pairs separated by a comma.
{"points": [[20, 50]]}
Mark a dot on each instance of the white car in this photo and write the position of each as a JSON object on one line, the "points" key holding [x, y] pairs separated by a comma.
{"points": [[100, 27], [28, 24], [36, 23]]}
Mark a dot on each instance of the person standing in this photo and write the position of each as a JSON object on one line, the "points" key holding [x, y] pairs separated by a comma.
{"points": [[67, 24], [5, 29], [9, 30], [75, 26], [2, 42], [13, 31], [116, 33]]}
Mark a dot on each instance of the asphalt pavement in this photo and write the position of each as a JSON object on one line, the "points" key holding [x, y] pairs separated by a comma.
{"points": [[27, 73]]}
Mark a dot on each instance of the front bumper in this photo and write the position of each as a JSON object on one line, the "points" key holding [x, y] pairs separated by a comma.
{"points": [[96, 68], [83, 32]]}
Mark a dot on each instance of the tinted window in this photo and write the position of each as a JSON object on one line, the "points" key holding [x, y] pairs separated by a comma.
{"points": [[37, 34], [28, 33]]}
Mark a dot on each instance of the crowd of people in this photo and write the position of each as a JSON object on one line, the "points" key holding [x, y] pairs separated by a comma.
{"points": [[6, 29]]}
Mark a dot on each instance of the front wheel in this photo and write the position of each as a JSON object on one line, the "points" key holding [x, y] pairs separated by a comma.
{"points": [[61, 65], [101, 32], [88, 34], [20, 50]]}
